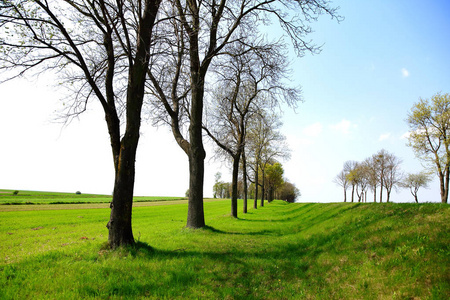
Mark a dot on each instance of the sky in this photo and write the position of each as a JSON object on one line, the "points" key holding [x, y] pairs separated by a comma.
{"points": [[357, 93]]}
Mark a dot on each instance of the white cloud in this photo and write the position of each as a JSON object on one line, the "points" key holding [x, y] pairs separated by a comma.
{"points": [[405, 72], [405, 135], [343, 126], [384, 136], [313, 130]]}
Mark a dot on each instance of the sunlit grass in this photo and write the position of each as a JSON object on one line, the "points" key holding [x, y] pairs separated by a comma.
{"points": [[281, 251]]}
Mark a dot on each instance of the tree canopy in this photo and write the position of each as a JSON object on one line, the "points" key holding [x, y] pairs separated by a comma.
{"points": [[429, 123]]}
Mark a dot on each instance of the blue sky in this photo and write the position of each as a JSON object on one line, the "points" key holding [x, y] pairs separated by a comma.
{"points": [[374, 66], [357, 92]]}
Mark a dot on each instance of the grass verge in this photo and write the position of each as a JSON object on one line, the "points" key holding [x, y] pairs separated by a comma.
{"points": [[281, 251]]}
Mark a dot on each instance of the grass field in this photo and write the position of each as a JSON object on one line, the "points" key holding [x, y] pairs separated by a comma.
{"points": [[280, 251], [7, 197]]}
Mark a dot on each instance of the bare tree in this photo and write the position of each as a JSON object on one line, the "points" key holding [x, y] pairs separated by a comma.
{"points": [[373, 176], [342, 180], [265, 144], [202, 30], [392, 175], [249, 76], [414, 182], [380, 161], [101, 50]]}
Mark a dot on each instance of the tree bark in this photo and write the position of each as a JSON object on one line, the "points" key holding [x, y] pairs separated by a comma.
{"points": [[244, 176], [196, 218], [119, 225], [255, 202], [263, 190], [353, 193], [444, 195], [234, 185]]}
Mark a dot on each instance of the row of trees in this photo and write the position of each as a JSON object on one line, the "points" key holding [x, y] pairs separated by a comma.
{"points": [[429, 137], [158, 56], [273, 186], [379, 172]]}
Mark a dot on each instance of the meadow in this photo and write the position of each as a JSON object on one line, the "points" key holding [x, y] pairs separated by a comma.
{"points": [[7, 197], [279, 251]]}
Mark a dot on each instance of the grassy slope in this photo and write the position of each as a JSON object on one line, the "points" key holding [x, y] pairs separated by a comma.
{"points": [[321, 251], [32, 197]]}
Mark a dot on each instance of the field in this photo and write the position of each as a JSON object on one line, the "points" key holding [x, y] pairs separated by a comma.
{"points": [[7, 197], [280, 251]]}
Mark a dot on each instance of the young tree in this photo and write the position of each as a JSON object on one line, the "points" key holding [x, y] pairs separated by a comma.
{"points": [[342, 180], [414, 182], [429, 123], [101, 49]]}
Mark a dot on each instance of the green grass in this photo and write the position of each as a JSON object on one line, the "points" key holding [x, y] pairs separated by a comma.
{"points": [[281, 251], [7, 197]]}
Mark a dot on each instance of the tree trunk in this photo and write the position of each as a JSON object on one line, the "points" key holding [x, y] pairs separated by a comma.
{"points": [[119, 225], [244, 176], [234, 185], [263, 190], [345, 195], [196, 218], [381, 191], [353, 193], [255, 202], [444, 199]]}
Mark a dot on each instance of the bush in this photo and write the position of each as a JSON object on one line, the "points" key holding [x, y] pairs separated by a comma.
{"points": [[78, 193], [15, 193]]}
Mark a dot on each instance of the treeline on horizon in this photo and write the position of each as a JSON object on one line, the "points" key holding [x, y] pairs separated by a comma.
{"points": [[429, 137]]}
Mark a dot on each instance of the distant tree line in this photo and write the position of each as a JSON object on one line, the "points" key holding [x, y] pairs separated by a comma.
{"points": [[379, 173], [429, 137], [275, 186]]}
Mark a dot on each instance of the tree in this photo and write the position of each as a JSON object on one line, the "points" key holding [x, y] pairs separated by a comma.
{"points": [[342, 180], [249, 76], [429, 123], [414, 182], [349, 167], [380, 162], [373, 175], [392, 174], [199, 32], [265, 144], [274, 179], [289, 192], [360, 176], [101, 49]]}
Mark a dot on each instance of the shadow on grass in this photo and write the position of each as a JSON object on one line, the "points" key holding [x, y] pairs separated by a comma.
{"points": [[254, 233]]}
